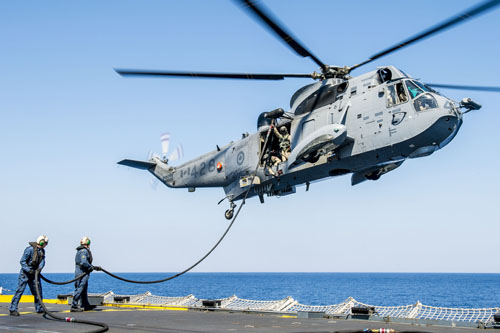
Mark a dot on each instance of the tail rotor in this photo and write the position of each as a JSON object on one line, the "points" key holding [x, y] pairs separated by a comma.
{"points": [[175, 155]]}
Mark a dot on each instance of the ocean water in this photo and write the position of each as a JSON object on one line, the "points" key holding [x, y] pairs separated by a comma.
{"points": [[446, 290]]}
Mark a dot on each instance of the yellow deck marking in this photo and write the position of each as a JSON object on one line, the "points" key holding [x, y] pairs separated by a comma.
{"points": [[29, 299], [287, 316], [55, 301]]}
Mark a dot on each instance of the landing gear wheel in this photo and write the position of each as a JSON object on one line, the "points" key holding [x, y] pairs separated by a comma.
{"points": [[229, 214]]}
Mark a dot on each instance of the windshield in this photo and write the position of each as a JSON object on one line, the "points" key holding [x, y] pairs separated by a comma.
{"points": [[425, 102], [419, 92], [416, 88], [413, 89]]}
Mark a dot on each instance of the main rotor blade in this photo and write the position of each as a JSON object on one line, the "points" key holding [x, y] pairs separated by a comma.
{"points": [[271, 23], [459, 87], [245, 76], [460, 18]]}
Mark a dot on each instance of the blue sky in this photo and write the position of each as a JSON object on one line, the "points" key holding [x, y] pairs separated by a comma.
{"points": [[67, 118]]}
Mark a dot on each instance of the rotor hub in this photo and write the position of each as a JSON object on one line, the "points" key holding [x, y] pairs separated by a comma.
{"points": [[334, 72]]}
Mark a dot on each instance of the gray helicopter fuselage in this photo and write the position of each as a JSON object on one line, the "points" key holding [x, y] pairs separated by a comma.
{"points": [[364, 126]]}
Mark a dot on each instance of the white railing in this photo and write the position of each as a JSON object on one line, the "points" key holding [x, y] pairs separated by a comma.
{"points": [[416, 311]]}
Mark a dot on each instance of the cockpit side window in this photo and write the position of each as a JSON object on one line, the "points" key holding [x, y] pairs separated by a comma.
{"points": [[401, 93], [396, 94]]}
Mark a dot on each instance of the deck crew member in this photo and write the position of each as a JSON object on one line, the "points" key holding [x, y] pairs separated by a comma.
{"points": [[83, 264], [33, 259]]}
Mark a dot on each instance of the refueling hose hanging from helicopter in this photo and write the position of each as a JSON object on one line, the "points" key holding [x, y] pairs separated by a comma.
{"points": [[103, 325]]}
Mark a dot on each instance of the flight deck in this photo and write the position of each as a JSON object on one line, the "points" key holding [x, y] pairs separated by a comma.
{"points": [[150, 313], [120, 319]]}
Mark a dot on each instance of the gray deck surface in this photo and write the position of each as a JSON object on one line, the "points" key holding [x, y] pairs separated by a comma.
{"points": [[146, 320]]}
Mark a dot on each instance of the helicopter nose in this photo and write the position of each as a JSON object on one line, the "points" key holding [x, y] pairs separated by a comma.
{"points": [[445, 129]]}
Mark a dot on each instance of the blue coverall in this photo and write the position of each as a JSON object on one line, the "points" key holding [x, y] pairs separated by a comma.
{"points": [[27, 276], [83, 264]]}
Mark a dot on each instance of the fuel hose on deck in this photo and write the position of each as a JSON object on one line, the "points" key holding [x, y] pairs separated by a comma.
{"points": [[104, 326]]}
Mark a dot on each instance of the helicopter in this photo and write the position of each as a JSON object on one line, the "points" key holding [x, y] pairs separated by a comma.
{"points": [[365, 125]]}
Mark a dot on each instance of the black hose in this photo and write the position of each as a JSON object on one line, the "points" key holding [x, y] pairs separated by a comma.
{"points": [[62, 283], [104, 326], [184, 271]]}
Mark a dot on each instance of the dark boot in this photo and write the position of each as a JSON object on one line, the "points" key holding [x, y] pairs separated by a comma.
{"points": [[75, 309], [14, 313]]}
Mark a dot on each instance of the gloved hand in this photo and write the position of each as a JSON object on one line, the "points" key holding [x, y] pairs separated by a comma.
{"points": [[91, 268], [31, 272], [97, 268]]}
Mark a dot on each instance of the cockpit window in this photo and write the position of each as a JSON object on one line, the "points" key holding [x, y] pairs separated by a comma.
{"points": [[396, 94], [413, 89], [425, 102]]}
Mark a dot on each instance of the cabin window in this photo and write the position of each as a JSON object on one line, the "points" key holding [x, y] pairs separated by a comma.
{"points": [[396, 94]]}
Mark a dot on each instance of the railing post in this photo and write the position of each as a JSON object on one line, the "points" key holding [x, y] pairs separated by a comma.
{"points": [[416, 309]]}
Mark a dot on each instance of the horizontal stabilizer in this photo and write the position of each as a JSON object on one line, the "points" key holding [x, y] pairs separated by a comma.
{"points": [[137, 164]]}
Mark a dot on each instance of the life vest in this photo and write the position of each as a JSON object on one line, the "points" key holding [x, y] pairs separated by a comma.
{"points": [[89, 254], [285, 141]]}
